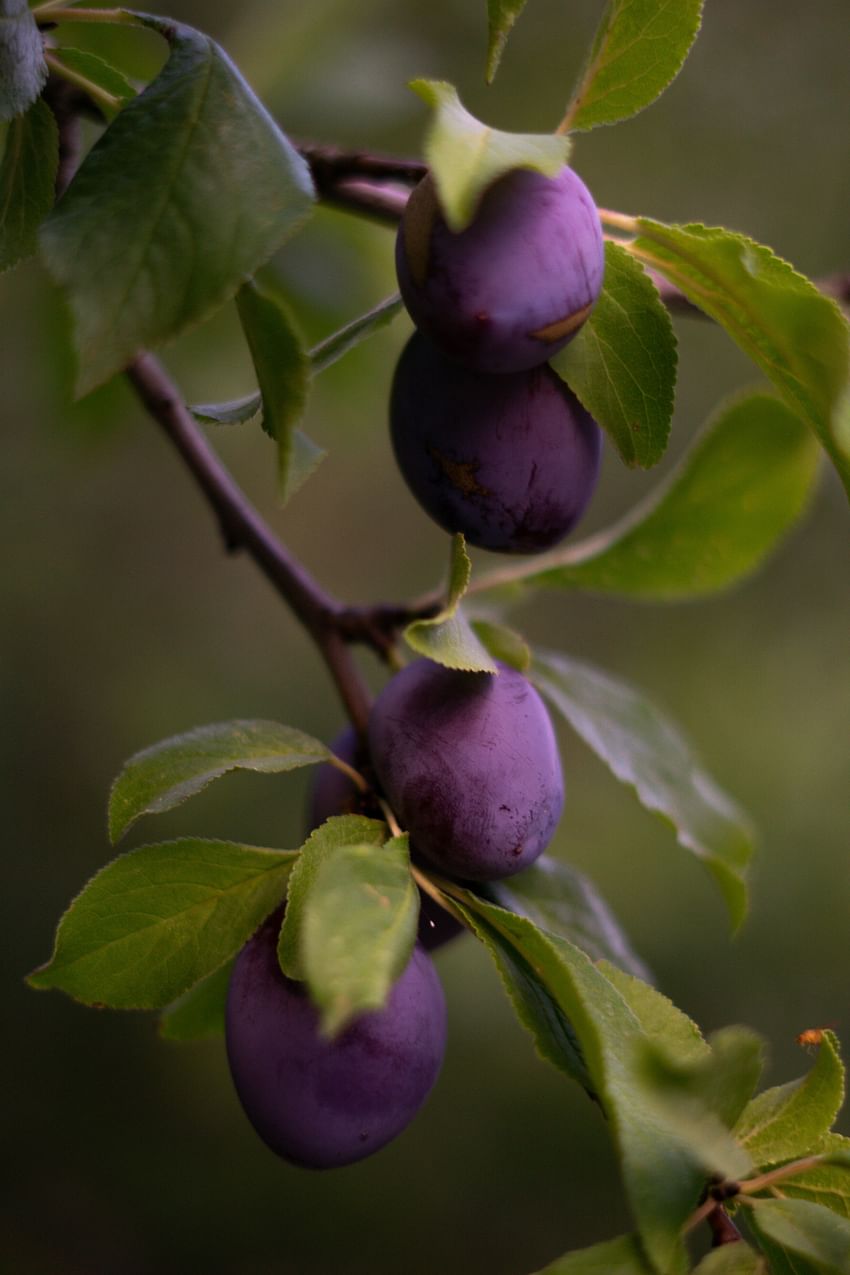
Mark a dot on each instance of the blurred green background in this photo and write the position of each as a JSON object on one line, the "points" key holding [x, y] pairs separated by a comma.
{"points": [[124, 622]]}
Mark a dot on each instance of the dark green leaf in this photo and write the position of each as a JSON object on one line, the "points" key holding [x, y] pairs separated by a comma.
{"points": [[199, 1013], [643, 749], [117, 89], [791, 331], [366, 325], [342, 830], [562, 900], [732, 1259], [155, 921], [501, 16], [358, 929], [787, 1121], [623, 1256], [167, 774], [738, 490], [829, 1183], [622, 364], [187, 193], [810, 1239], [282, 367], [23, 71], [27, 176], [236, 411], [448, 638], [465, 156], [639, 47], [503, 644]]}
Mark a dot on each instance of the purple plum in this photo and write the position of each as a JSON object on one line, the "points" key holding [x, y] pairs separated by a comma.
{"points": [[511, 461], [323, 1103], [469, 763], [516, 285]]}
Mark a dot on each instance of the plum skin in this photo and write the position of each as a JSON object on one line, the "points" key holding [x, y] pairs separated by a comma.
{"points": [[322, 1103], [511, 461], [516, 285], [469, 764], [333, 793]]}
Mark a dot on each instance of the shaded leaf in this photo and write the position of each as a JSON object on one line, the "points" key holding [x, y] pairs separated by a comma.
{"points": [[809, 1238], [501, 16], [189, 191], [562, 900], [23, 71], [645, 750], [235, 411], [100, 73], [341, 830], [798, 337], [732, 1259], [465, 156], [155, 921], [358, 929], [167, 774], [199, 1013], [27, 177], [622, 363], [722, 1081], [623, 1256], [504, 644], [448, 638], [360, 329], [639, 47], [787, 1121]]}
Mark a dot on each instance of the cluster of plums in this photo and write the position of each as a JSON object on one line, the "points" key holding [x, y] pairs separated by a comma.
{"points": [[493, 444]]}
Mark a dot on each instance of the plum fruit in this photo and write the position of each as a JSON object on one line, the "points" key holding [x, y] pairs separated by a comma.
{"points": [[322, 1103], [333, 793], [516, 285], [511, 461], [469, 763]]}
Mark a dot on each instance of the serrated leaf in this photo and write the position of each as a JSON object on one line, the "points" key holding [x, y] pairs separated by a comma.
{"points": [[27, 177], [562, 900], [339, 343], [622, 363], [501, 16], [645, 750], [99, 72], [659, 1018], [638, 49], [235, 411], [155, 921], [736, 492], [448, 638], [189, 191], [358, 929], [787, 1121], [168, 773], [722, 1081], [798, 337], [504, 644], [282, 367], [199, 1013], [732, 1259], [811, 1240], [341, 830], [23, 71], [623, 1256], [465, 156], [829, 1183]]}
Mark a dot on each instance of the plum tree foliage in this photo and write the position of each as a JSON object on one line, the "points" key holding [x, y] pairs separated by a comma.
{"points": [[430, 808]]}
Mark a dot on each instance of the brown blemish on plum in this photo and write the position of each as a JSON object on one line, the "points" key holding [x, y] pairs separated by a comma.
{"points": [[419, 217], [562, 327], [461, 474]]}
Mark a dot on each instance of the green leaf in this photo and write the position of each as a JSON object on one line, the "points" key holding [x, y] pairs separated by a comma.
{"points": [[622, 363], [360, 329], [829, 1183], [659, 1018], [100, 73], [732, 1259], [167, 774], [341, 830], [236, 411], [809, 1238], [623, 1256], [737, 491], [199, 1013], [282, 367], [791, 331], [787, 1121], [639, 47], [501, 16], [189, 191], [155, 921], [448, 637], [27, 177], [503, 644], [465, 156], [562, 900], [645, 750], [721, 1081], [23, 71], [358, 929]]}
